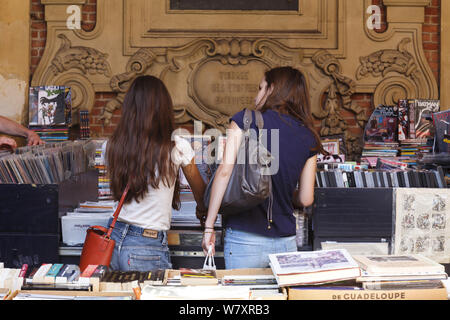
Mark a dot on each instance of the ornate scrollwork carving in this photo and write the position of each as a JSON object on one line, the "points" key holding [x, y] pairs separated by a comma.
{"points": [[186, 62], [407, 81], [87, 60], [382, 62], [338, 96]]}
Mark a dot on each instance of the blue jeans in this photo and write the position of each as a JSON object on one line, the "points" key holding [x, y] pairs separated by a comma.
{"points": [[248, 250], [134, 252]]}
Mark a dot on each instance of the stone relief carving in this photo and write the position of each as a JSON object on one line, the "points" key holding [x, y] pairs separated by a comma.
{"points": [[87, 60], [222, 76], [338, 97], [402, 75], [324, 47]]}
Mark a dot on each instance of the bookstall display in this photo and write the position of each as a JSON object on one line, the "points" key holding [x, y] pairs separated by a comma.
{"points": [[321, 274], [378, 229], [50, 112], [37, 185]]}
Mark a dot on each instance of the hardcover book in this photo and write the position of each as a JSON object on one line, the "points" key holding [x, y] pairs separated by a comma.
{"points": [[441, 122], [413, 264], [313, 267]]}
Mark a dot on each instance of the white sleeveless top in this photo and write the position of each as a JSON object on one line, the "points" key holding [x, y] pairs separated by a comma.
{"points": [[154, 211]]}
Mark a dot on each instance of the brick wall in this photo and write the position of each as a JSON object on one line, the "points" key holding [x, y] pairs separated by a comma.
{"points": [[431, 44]]}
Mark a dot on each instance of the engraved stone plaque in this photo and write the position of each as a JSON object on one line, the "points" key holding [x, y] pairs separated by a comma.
{"points": [[227, 88]]}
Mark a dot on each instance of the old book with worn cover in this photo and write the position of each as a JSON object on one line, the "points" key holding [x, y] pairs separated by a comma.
{"points": [[313, 267], [412, 264], [197, 277]]}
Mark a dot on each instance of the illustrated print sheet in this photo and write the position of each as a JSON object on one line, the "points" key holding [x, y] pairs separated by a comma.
{"points": [[422, 223]]}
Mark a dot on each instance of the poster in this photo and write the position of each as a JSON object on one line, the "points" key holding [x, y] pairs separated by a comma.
{"points": [[422, 224]]}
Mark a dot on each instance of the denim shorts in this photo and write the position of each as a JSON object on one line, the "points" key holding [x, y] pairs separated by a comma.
{"points": [[248, 250], [134, 252]]}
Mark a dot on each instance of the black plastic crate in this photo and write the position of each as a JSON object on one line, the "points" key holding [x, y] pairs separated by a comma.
{"points": [[19, 249], [353, 213]]}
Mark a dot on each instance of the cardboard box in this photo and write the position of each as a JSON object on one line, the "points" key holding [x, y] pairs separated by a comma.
{"points": [[350, 295]]}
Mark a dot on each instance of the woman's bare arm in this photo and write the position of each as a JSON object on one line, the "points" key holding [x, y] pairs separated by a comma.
{"points": [[304, 195]]}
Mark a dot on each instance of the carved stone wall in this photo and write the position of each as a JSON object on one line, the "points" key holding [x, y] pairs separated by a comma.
{"points": [[212, 61]]}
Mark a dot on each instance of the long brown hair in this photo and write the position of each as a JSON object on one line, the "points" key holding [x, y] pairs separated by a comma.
{"points": [[290, 96], [139, 151]]}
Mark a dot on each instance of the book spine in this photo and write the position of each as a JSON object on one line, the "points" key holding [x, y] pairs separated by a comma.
{"points": [[412, 118], [90, 269], [54, 270], [23, 271], [40, 274]]}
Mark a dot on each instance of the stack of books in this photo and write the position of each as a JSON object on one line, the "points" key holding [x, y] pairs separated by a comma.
{"points": [[337, 275], [412, 149], [52, 134], [313, 267], [402, 272], [104, 191], [85, 132], [380, 150]]}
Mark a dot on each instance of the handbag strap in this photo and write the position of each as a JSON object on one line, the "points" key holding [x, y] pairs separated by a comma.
{"points": [[116, 213]]}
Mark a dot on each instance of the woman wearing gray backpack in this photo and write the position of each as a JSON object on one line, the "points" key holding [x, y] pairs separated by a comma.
{"points": [[252, 235]]}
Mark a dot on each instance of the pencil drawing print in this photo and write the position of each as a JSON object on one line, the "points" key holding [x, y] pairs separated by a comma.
{"points": [[408, 221], [408, 202], [407, 245], [423, 221], [438, 221], [422, 244], [438, 203], [439, 244]]}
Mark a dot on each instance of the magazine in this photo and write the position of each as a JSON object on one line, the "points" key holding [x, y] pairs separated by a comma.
{"points": [[382, 125], [49, 106]]}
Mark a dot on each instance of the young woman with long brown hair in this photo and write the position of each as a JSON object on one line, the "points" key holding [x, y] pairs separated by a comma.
{"points": [[249, 237], [143, 154]]}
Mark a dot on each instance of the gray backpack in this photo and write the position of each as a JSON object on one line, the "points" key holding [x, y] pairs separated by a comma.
{"points": [[250, 182]]}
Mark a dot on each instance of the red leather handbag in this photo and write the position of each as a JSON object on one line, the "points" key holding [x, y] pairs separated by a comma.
{"points": [[98, 246]]}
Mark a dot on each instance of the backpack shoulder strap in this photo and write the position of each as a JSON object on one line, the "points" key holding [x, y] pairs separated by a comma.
{"points": [[259, 120], [248, 119]]}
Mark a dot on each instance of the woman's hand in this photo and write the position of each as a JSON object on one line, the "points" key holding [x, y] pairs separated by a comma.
{"points": [[209, 239]]}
